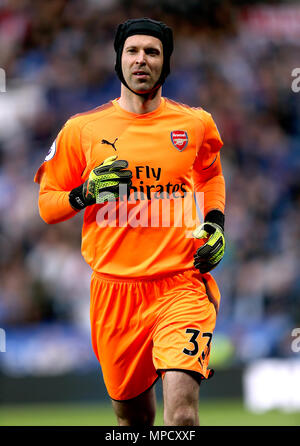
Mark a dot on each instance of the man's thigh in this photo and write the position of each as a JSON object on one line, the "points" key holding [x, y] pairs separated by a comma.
{"points": [[121, 337], [184, 331]]}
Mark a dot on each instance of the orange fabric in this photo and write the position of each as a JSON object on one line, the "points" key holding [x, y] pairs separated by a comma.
{"points": [[211, 182], [160, 164], [139, 327]]}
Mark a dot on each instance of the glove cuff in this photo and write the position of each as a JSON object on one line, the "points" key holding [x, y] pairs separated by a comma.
{"points": [[76, 198], [215, 216]]}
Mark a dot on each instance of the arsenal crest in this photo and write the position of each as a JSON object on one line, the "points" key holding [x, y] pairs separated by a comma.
{"points": [[179, 139]]}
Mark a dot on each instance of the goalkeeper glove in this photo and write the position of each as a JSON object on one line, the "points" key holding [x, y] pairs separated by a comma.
{"points": [[102, 184], [208, 256]]}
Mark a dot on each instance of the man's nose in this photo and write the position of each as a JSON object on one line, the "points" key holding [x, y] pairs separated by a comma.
{"points": [[140, 59]]}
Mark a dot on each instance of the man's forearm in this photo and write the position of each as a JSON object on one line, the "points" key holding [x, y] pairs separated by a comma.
{"points": [[214, 194], [211, 183], [54, 206]]}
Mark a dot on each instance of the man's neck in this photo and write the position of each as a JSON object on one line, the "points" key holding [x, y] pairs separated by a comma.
{"points": [[139, 104]]}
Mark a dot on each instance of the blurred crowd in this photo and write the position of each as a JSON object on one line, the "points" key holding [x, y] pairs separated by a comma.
{"points": [[59, 60]]}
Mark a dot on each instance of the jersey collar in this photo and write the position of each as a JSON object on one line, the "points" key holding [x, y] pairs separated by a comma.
{"points": [[131, 115]]}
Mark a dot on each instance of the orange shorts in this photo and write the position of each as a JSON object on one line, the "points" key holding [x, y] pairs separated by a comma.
{"points": [[142, 327]]}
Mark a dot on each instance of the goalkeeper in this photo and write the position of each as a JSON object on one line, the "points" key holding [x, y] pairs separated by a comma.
{"points": [[153, 303]]}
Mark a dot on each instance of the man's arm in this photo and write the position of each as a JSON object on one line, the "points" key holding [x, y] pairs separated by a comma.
{"points": [[209, 180], [63, 191], [54, 206], [211, 183], [61, 171]]}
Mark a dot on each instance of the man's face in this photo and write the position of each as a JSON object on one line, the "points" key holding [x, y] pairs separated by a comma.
{"points": [[142, 61]]}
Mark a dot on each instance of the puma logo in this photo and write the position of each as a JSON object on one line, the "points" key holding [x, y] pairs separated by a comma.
{"points": [[104, 141]]}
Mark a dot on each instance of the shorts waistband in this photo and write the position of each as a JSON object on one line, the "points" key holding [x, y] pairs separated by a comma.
{"points": [[111, 278]]}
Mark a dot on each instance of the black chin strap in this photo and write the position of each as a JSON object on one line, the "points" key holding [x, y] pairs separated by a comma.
{"points": [[147, 93]]}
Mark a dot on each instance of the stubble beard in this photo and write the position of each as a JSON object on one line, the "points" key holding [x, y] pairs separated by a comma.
{"points": [[142, 86]]}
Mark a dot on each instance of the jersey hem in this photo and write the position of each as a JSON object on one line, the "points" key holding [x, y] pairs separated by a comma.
{"points": [[198, 376], [112, 278]]}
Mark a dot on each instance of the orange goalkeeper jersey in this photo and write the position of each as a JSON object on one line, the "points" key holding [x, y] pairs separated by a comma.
{"points": [[173, 153]]}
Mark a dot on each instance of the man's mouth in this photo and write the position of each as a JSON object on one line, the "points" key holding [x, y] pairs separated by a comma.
{"points": [[140, 74]]}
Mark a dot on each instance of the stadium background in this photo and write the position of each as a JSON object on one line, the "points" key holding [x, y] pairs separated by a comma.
{"points": [[235, 59]]}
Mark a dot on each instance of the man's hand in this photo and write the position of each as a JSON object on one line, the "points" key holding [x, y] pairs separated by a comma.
{"points": [[103, 184], [211, 253]]}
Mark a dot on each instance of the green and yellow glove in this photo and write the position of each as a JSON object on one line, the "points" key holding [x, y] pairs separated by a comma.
{"points": [[208, 256], [103, 184]]}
